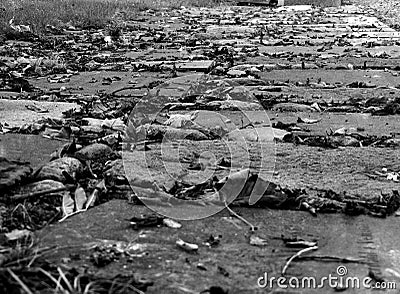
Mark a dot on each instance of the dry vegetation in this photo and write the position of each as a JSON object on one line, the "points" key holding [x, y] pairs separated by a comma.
{"points": [[90, 13], [23, 269]]}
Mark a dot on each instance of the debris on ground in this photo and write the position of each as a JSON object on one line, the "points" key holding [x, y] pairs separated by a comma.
{"points": [[320, 81], [171, 223], [189, 247], [298, 254], [213, 241], [257, 241], [146, 221]]}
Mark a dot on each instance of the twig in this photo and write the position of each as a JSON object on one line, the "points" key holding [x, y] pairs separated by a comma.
{"points": [[62, 275], [35, 256], [24, 210], [19, 197], [50, 276], [252, 227], [22, 284], [297, 255], [130, 287], [53, 218], [332, 258], [69, 215], [113, 93]]}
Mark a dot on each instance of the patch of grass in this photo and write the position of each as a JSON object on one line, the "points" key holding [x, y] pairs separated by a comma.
{"points": [[88, 13], [22, 253], [24, 269], [51, 65]]}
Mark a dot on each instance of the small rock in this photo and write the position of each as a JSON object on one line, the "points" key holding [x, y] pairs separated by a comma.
{"points": [[257, 241], [171, 223], [236, 73], [254, 70], [201, 266], [146, 221], [54, 169], [94, 151], [187, 246]]}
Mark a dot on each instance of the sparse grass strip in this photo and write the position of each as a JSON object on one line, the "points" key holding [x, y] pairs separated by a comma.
{"points": [[38, 14]]}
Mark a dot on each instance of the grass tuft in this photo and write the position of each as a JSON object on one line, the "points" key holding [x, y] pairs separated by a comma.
{"points": [[24, 269], [37, 14]]}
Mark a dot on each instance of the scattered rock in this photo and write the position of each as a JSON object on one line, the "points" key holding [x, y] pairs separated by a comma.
{"points": [[94, 152], [56, 169], [158, 133], [257, 241], [189, 247], [171, 223], [146, 221]]}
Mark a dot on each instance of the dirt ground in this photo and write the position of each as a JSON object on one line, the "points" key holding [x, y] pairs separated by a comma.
{"points": [[319, 89], [233, 264]]}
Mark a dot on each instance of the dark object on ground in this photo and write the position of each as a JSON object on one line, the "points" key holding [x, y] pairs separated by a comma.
{"points": [[146, 221], [273, 3], [14, 84], [215, 290], [254, 3], [103, 256], [393, 203]]}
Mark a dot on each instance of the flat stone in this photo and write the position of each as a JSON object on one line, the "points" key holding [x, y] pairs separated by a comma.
{"points": [[34, 149], [15, 112]]}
